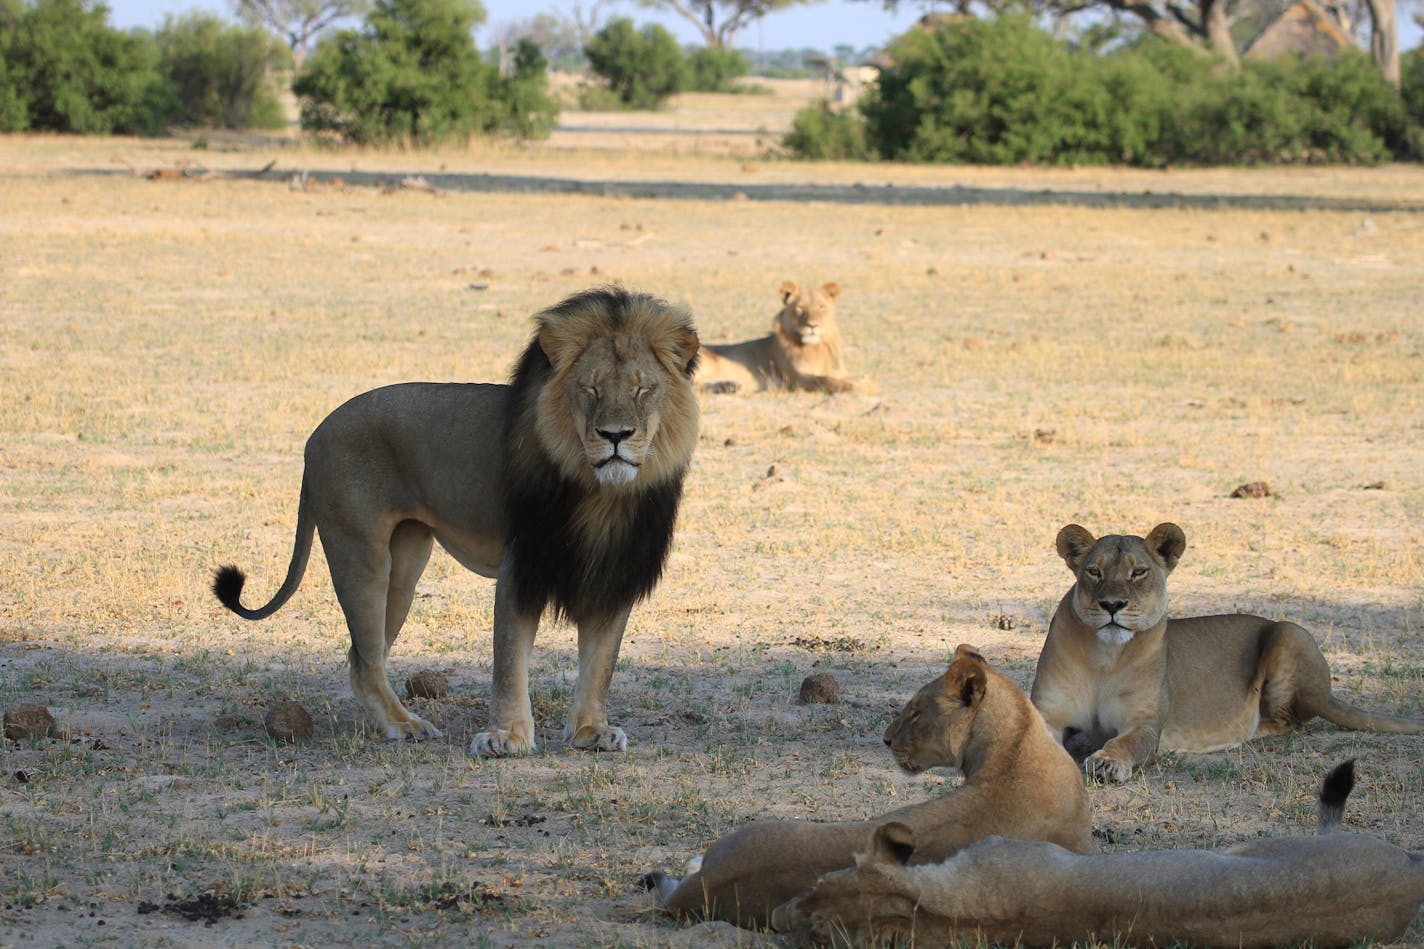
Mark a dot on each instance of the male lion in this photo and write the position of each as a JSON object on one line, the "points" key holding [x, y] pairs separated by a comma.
{"points": [[563, 485], [803, 352], [1017, 782], [1336, 889], [1117, 678]]}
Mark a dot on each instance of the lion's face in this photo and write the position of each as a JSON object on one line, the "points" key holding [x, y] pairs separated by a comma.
{"points": [[619, 408], [1121, 586], [933, 727], [808, 317]]}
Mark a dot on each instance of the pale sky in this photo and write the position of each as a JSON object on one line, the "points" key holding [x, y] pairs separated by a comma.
{"points": [[822, 26]]}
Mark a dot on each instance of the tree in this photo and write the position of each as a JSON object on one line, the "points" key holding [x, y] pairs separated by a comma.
{"points": [[641, 67], [719, 21], [221, 73], [299, 22], [557, 38]]}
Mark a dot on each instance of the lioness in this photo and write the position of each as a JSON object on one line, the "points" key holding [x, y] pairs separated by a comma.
{"points": [[803, 352], [1017, 782], [1117, 676], [1331, 890], [563, 485]]}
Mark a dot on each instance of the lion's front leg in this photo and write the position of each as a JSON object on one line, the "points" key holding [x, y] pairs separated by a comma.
{"points": [[1116, 760], [587, 725], [511, 720]]}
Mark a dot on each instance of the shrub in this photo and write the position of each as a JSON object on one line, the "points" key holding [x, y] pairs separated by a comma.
{"points": [[643, 67], [222, 74], [712, 69], [412, 76], [1411, 85], [530, 109], [65, 69], [821, 133]]}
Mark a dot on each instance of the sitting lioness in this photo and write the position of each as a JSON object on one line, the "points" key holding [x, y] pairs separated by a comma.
{"points": [[1336, 889], [1017, 783], [1117, 678], [803, 352]]}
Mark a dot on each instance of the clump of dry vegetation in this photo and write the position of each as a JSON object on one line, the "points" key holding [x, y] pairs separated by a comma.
{"points": [[166, 347]]}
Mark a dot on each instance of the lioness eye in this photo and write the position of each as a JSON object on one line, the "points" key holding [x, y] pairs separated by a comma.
{"points": [[1139, 572], [1094, 573]]}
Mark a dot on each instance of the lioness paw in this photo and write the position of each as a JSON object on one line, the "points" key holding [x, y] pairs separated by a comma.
{"points": [[599, 738], [501, 743], [415, 728], [1105, 767]]}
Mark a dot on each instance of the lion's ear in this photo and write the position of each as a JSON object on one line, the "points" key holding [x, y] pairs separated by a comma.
{"points": [[787, 290], [967, 676], [686, 347], [555, 344], [1167, 543], [892, 842], [1073, 544], [832, 290]]}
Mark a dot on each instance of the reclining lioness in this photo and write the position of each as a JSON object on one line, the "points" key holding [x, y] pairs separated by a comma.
{"points": [[1117, 678], [1336, 889], [1017, 783]]}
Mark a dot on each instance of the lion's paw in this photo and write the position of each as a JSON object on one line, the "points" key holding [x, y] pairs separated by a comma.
{"points": [[1105, 767], [600, 738], [501, 743], [414, 728]]}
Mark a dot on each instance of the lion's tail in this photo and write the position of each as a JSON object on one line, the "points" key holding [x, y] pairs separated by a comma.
{"points": [[1338, 784], [228, 580], [1357, 719]]}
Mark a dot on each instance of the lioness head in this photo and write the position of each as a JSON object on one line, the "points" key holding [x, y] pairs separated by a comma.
{"points": [[866, 902], [619, 406], [1121, 586], [933, 727], [807, 317]]}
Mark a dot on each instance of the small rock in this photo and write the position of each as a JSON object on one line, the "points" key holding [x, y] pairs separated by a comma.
{"points": [[427, 684], [820, 689], [228, 722], [28, 721], [1252, 489], [289, 721]]}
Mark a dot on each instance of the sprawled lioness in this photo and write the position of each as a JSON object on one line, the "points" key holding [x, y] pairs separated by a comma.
{"points": [[803, 352], [1017, 783], [1117, 676], [1335, 889]]}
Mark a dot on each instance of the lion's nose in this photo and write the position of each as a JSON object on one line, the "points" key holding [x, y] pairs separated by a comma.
{"points": [[1112, 606], [614, 436]]}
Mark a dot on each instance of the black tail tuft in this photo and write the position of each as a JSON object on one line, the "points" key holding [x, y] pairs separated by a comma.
{"points": [[1336, 788], [227, 586]]}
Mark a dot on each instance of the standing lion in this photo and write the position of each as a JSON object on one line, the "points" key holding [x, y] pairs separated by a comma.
{"points": [[562, 485]]}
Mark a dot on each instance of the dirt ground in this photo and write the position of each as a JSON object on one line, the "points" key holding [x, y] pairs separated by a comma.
{"points": [[167, 345]]}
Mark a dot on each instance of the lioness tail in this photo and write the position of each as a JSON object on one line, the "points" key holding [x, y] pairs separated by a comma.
{"points": [[228, 580], [1338, 784], [1357, 719]]}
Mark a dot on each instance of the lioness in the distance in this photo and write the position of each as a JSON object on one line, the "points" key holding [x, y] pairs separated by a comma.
{"points": [[803, 352], [1119, 679], [1336, 889], [1017, 783], [563, 485]]}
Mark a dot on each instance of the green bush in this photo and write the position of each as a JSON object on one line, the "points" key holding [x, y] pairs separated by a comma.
{"points": [[1003, 92], [713, 69], [1411, 85], [412, 76], [64, 69], [222, 74], [821, 133], [529, 106], [643, 67]]}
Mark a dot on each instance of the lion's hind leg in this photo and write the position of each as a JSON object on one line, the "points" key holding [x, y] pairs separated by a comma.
{"points": [[375, 586], [1293, 679]]}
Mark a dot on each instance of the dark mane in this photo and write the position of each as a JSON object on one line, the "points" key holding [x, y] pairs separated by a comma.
{"points": [[584, 578]]}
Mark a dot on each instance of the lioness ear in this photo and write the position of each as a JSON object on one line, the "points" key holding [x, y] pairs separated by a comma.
{"points": [[787, 290], [832, 290], [1073, 544], [967, 677], [892, 842], [1167, 542]]}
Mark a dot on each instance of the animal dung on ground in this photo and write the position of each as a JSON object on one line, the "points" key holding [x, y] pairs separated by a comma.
{"points": [[820, 689], [1252, 489], [427, 684], [28, 721], [289, 721]]}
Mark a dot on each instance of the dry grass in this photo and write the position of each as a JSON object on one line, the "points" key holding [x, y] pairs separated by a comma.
{"points": [[165, 347]]}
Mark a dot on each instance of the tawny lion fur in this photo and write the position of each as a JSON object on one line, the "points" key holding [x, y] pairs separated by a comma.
{"points": [[1017, 783], [1119, 679], [1335, 889], [802, 354], [563, 485]]}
